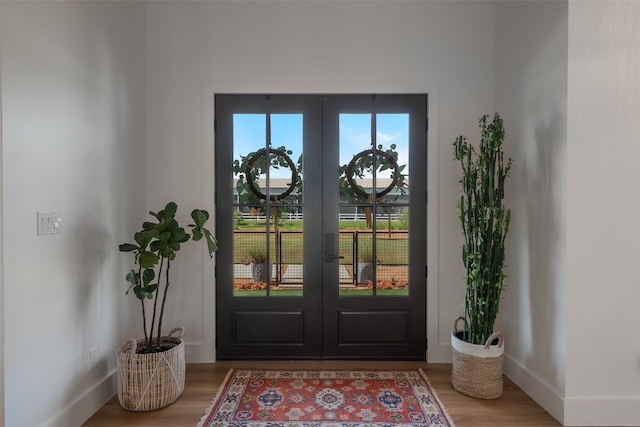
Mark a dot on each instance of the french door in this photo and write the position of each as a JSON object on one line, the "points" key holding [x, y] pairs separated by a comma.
{"points": [[321, 224]]}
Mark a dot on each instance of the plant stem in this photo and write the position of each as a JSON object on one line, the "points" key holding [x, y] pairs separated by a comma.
{"points": [[164, 300], [144, 320], [155, 305], [144, 315]]}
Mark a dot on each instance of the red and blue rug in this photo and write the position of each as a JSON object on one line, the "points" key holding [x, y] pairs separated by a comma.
{"points": [[276, 398]]}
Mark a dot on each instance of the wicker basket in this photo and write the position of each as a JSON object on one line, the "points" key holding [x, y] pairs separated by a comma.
{"points": [[151, 381], [477, 369]]}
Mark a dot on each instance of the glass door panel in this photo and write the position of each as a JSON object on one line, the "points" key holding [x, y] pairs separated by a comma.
{"points": [[268, 201], [373, 183]]}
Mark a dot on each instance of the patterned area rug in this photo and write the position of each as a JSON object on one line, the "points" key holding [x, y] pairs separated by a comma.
{"points": [[275, 398]]}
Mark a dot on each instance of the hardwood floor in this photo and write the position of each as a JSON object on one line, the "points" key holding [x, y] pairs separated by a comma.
{"points": [[513, 409]]}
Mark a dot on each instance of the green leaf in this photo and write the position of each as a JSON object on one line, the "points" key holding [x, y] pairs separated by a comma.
{"points": [[150, 289], [170, 210], [132, 277], [147, 259], [148, 226], [211, 242], [140, 294], [164, 236], [179, 236], [172, 226], [196, 234], [128, 247], [200, 217], [148, 275], [240, 185]]}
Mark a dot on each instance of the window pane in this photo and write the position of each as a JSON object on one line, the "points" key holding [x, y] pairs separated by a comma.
{"points": [[355, 139], [252, 271], [291, 269], [268, 208], [285, 170], [392, 136], [249, 136], [380, 267], [392, 250], [363, 266]]}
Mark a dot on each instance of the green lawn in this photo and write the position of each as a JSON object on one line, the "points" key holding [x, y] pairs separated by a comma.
{"points": [[390, 251]]}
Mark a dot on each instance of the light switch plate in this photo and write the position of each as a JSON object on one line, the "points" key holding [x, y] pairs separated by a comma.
{"points": [[49, 222]]}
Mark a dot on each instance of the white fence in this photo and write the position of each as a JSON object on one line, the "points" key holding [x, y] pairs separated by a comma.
{"points": [[299, 217]]}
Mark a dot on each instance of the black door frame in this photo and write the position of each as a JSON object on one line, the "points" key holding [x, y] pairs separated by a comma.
{"points": [[294, 312]]}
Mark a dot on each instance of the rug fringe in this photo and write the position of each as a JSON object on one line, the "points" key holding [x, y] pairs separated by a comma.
{"points": [[435, 395], [215, 398]]}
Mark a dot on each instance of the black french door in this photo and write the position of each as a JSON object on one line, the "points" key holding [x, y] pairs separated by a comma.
{"points": [[321, 223]]}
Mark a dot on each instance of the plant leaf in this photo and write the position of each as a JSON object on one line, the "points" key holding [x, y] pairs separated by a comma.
{"points": [[147, 259], [170, 210], [148, 275], [132, 277]]}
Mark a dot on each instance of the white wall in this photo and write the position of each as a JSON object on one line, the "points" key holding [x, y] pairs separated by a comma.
{"points": [[86, 84], [74, 131], [194, 49], [1, 251], [531, 95], [603, 231]]}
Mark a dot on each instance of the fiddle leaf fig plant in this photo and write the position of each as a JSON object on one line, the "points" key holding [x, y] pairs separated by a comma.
{"points": [[155, 247]]}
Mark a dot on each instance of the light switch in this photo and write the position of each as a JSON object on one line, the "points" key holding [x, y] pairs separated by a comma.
{"points": [[49, 222]]}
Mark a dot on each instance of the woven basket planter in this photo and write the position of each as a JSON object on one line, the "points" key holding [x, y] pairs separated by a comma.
{"points": [[154, 380], [477, 369]]}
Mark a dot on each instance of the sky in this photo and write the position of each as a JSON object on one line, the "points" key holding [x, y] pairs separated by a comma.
{"points": [[249, 131]]}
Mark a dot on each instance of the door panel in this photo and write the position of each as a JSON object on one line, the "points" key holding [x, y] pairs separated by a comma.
{"points": [[269, 327], [330, 192], [382, 142], [278, 315]]}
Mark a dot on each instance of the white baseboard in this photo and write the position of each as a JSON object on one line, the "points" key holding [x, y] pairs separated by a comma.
{"points": [[81, 409], [602, 411], [539, 390], [199, 353], [439, 352], [581, 411]]}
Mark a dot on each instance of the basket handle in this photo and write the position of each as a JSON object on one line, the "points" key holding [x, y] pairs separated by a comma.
{"points": [[133, 346], [179, 330], [455, 324], [493, 337]]}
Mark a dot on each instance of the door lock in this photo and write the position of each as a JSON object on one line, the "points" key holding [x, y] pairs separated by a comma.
{"points": [[329, 252]]}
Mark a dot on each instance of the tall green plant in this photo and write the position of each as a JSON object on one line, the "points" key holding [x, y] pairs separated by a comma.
{"points": [[485, 223], [157, 245]]}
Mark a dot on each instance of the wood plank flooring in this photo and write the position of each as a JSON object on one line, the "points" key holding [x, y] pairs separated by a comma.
{"points": [[513, 409]]}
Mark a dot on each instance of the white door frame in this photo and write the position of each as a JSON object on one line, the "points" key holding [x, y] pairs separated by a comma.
{"points": [[438, 349]]}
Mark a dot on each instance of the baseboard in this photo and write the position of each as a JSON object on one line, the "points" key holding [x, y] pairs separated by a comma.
{"points": [[82, 408], [199, 353], [602, 411], [439, 352], [538, 389]]}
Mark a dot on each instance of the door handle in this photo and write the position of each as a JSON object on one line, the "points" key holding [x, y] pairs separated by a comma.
{"points": [[329, 252]]}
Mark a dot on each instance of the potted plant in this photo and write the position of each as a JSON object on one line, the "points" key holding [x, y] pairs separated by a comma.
{"points": [[151, 369], [366, 264], [484, 219], [260, 268]]}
